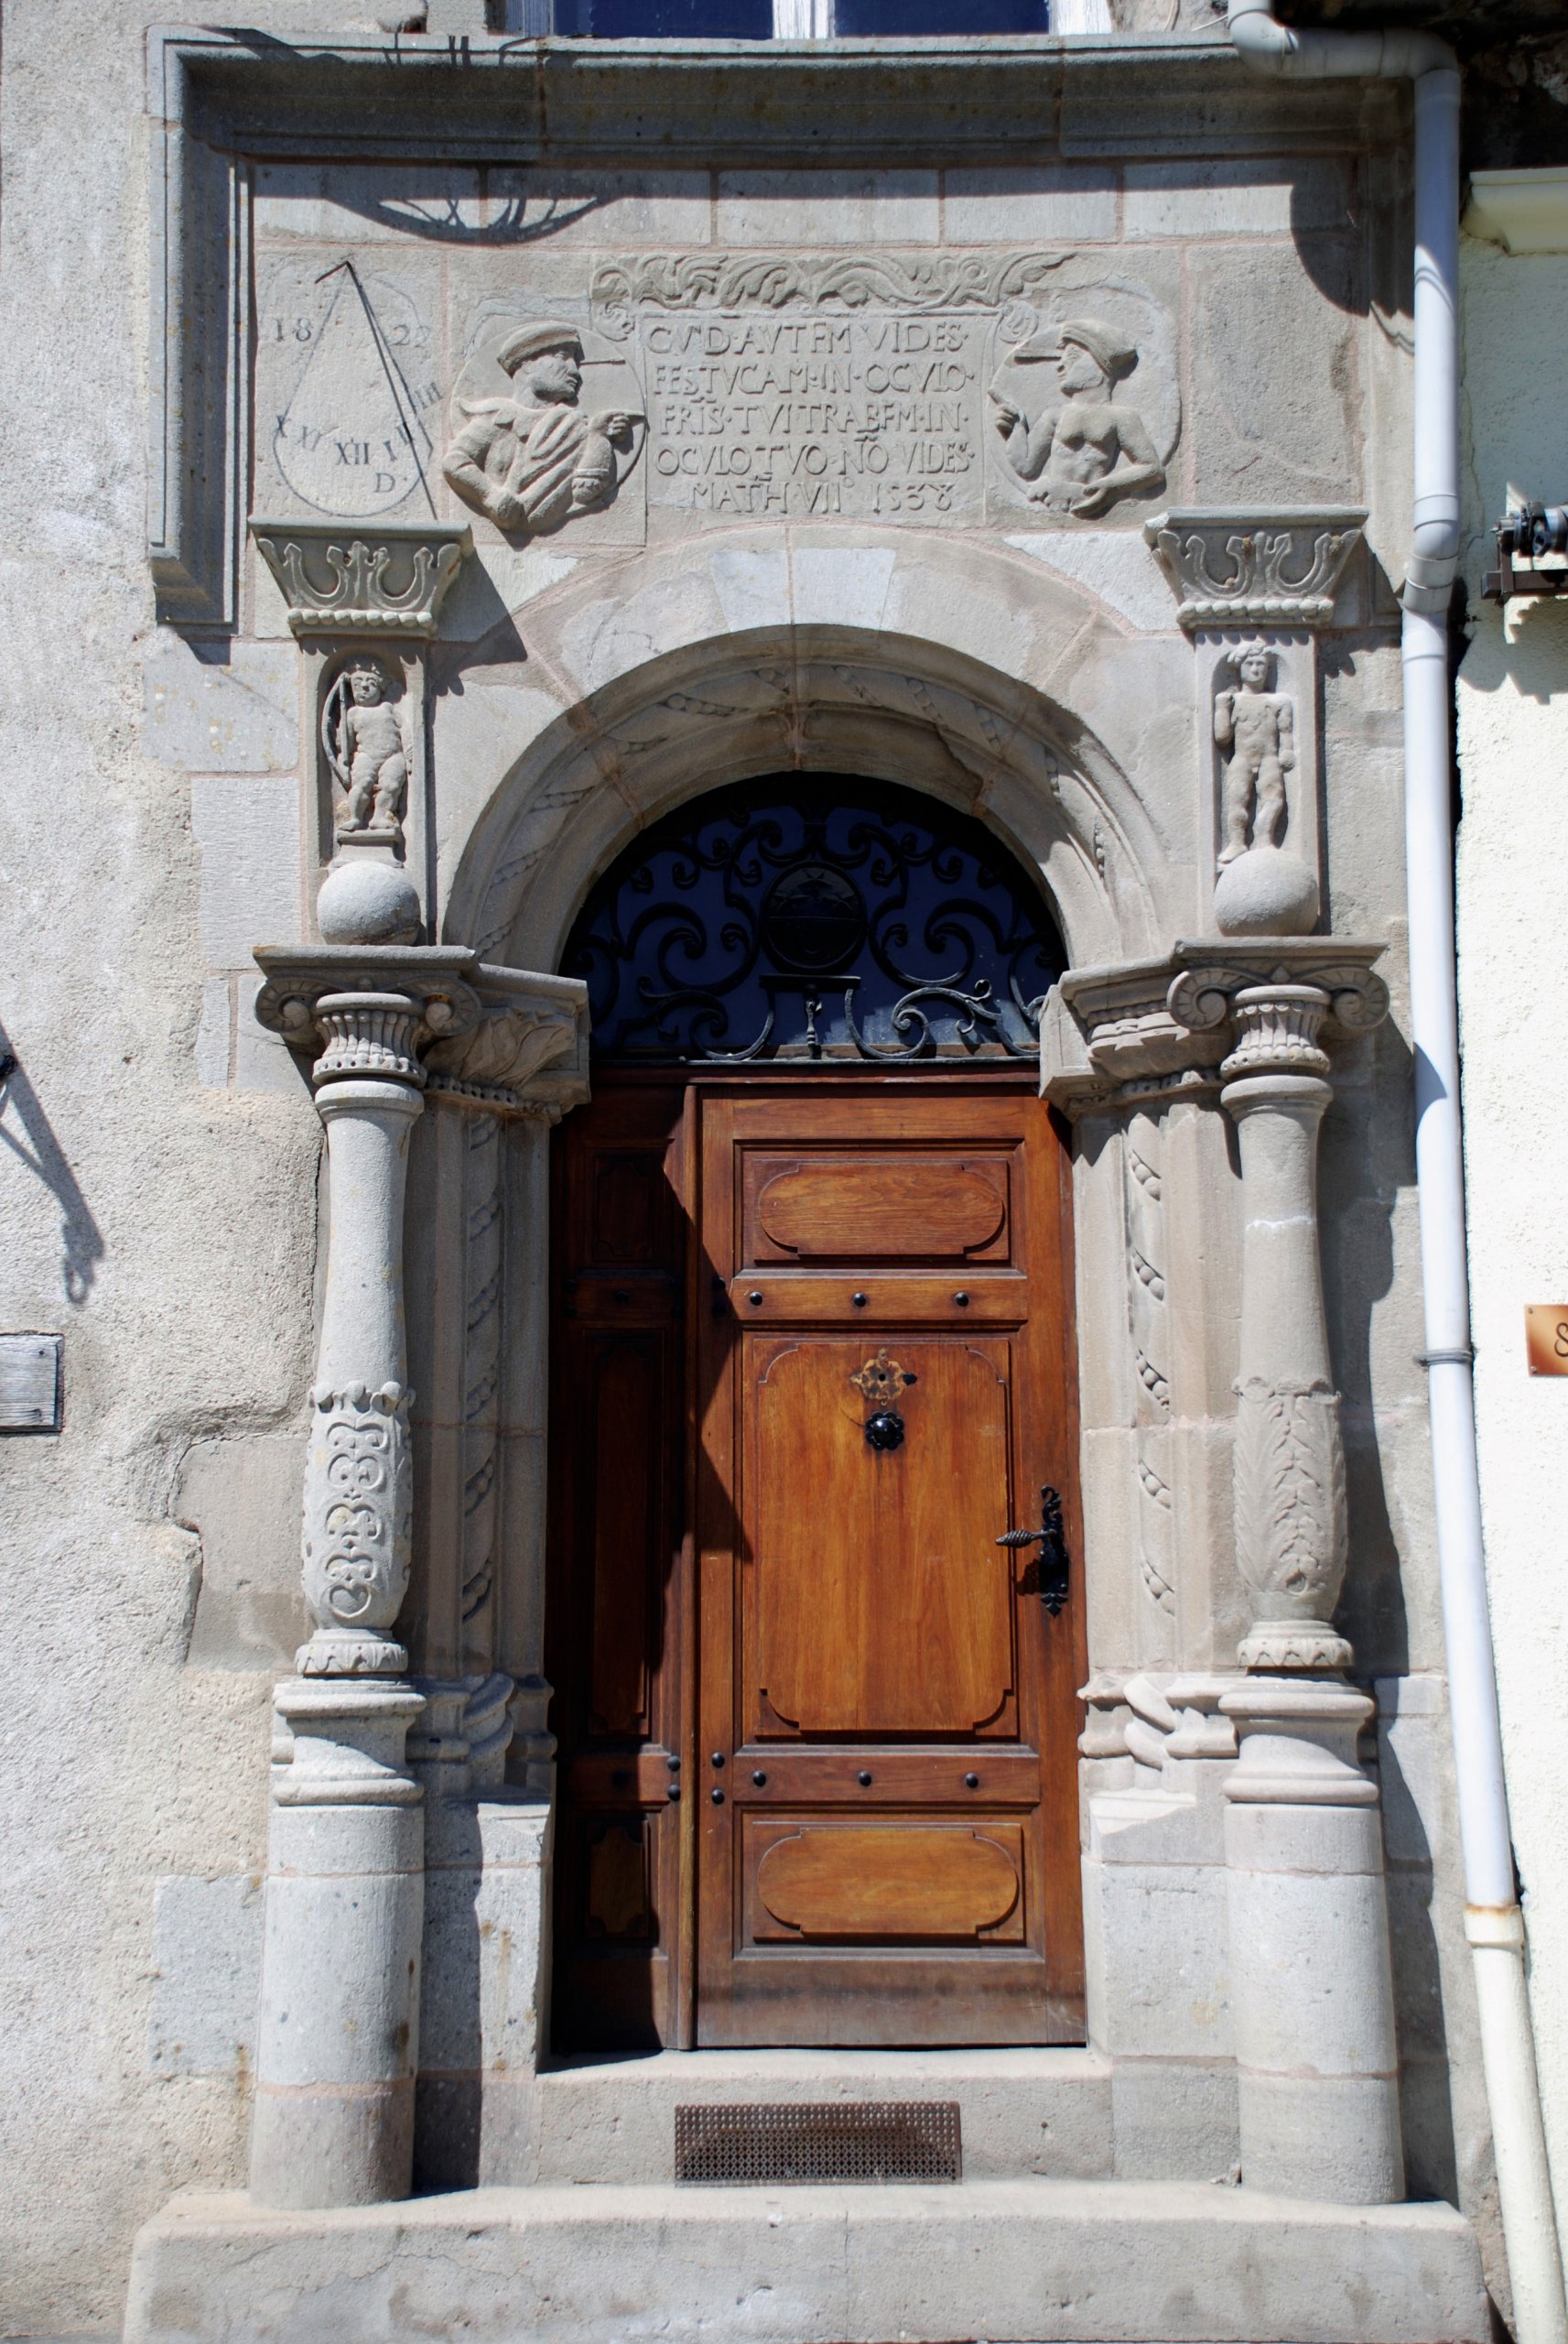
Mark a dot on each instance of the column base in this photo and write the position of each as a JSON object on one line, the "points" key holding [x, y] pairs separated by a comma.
{"points": [[337, 2036], [1317, 2066]]}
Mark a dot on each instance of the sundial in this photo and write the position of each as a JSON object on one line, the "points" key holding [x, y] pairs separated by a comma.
{"points": [[350, 441]]}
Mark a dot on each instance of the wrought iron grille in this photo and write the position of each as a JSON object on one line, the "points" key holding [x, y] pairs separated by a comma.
{"points": [[815, 920], [844, 2140]]}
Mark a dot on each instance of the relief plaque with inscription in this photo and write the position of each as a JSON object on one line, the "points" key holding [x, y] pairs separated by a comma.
{"points": [[946, 387]]}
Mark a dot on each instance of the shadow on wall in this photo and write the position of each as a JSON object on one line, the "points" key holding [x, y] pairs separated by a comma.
{"points": [[1528, 655], [1367, 1158], [1426, 2113], [27, 1132]]}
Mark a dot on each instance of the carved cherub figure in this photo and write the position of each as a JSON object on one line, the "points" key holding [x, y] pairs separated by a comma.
{"points": [[1080, 452], [532, 461], [1259, 727], [365, 748]]}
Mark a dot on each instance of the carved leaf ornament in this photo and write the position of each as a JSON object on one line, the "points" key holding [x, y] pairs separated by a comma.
{"points": [[1290, 1526], [775, 281]]}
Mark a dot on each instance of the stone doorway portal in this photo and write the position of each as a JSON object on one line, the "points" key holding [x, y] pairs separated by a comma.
{"points": [[813, 1358]]}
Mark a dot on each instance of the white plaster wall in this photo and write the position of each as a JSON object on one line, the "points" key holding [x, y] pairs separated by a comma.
{"points": [[162, 1225], [1513, 947]]}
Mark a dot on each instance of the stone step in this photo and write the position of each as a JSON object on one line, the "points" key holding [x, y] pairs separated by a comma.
{"points": [[1059, 2262], [1021, 2112]]}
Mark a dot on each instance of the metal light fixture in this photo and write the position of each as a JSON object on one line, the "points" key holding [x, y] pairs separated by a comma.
{"points": [[1532, 554]]}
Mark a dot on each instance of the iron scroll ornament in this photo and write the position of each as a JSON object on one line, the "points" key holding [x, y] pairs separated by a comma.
{"points": [[1052, 1540], [815, 920]]}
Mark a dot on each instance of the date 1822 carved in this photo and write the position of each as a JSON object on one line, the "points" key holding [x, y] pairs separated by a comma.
{"points": [[822, 920]]}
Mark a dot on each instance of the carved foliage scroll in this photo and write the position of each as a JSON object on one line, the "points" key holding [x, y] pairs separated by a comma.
{"points": [[1291, 1534]]}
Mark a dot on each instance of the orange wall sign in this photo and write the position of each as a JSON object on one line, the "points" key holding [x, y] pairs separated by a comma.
{"points": [[1546, 1338]]}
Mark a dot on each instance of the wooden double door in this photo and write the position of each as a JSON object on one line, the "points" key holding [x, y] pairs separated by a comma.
{"points": [[813, 1355]]}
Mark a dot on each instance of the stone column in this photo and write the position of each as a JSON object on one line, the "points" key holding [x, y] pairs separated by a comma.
{"points": [[338, 2049], [1317, 2067]]}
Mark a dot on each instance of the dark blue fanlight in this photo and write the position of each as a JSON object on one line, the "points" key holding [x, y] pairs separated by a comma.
{"points": [[815, 920]]}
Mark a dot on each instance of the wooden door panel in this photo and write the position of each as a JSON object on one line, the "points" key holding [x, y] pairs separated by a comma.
{"points": [[869, 1208], [629, 1439], [881, 1603], [817, 1764], [618, 1452], [895, 1881], [878, 1679]]}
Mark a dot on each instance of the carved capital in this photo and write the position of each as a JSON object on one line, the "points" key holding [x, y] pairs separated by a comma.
{"points": [[1232, 568], [364, 579], [527, 1051], [367, 1011], [1280, 999], [1111, 1036]]}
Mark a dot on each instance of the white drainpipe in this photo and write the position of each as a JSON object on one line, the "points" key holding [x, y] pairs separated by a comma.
{"points": [[1494, 1922]]}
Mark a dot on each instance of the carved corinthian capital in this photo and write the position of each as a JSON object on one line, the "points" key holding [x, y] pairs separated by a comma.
{"points": [[1278, 1005]]}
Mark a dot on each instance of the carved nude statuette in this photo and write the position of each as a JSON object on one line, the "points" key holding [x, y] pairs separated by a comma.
{"points": [[1258, 728], [1076, 451], [534, 460], [365, 748]]}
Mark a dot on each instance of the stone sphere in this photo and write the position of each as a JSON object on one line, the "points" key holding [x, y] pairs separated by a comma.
{"points": [[1265, 892], [366, 901]]}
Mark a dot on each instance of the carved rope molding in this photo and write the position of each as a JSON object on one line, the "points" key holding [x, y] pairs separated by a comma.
{"points": [[374, 579], [1143, 1153], [777, 280], [1234, 567]]}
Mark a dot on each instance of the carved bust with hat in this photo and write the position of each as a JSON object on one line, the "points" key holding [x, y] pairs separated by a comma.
{"points": [[530, 462]]}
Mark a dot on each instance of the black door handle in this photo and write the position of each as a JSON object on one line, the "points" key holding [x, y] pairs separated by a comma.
{"points": [[1051, 1539]]}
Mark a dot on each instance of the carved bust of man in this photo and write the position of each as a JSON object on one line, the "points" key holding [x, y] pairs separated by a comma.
{"points": [[1259, 727], [1078, 452], [532, 461]]}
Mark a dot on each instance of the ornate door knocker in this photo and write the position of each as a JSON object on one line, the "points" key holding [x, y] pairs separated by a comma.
{"points": [[881, 1381]]}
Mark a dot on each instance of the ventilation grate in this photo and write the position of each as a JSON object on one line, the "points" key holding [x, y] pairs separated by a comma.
{"points": [[835, 2140]]}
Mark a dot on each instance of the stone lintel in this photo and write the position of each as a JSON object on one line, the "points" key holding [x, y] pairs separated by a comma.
{"points": [[1234, 565]]}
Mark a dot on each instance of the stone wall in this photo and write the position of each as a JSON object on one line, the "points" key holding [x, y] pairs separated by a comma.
{"points": [[167, 808]]}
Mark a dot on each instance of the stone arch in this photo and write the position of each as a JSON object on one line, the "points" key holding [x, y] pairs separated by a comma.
{"points": [[696, 710]]}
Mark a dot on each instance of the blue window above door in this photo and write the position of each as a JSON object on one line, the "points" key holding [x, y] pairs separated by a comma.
{"points": [[758, 20], [665, 19], [907, 19]]}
